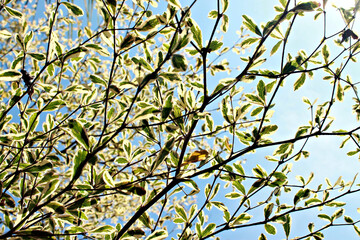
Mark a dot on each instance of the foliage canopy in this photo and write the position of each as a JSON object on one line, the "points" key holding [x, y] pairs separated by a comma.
{"points": [[122, 120]]}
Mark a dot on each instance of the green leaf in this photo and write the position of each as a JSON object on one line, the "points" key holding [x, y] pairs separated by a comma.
{"points": [[224, 23], [78, 52], [287, 225], [158, 235], [148, 24], [13, 12], [98, 80], [57, 207], [348, 219], [128, 40], [78, 132], [339, 92], [276, 47], [39, 167], [270, 228], [104, 229], [288, 68], [76, 10], [208, 230], [233, 195], [256, 111], [254, 99], [224, 5], [174, 3], [268, 210], [5, 34], [261, 89], [213, 14], [357, 230], [145, 113], [112, 5], [262, 237], [167, 108], [181, 212], [108, 179], [96, 47], [242, 218], [325, 53], [306, 7], [312, 201], [163, 154], [10, 75], [338, 213], [77, 161], [324, 217], [28, 38], [299, 82], [37, 56], [215, 45], [54, 105], [179, 62], [248, 42], [197, 34], [249, 23], [267, 130], [182, 41]]}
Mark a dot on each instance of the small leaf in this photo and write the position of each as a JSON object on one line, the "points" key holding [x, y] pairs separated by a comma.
{"points": [[208, 230], [270, 229], [357, 230], [224, 5], [174, 3], [262, 237], [288, 68], [128, 40], [75, 53], [181, 212], [57, 207], [268, 210], [10, 75], [179, 62], [76, 10], [242, 218], [54, 105], [37, 56], [339, 92], [39, 167], [98, 80], [325, 217], [196, 157], [5, 34], [338, 213], [13, 12], [197, 34], [306, 7], [276, 47], [108, 179], [96, 47], [299, 82], [166, 110], [249, 23], [215, 45], [163, 154], [158, 235], [148, 24], [78, 132], [104, 229]]}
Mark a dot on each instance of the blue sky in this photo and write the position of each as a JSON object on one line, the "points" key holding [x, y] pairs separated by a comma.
{"points": [[326, 160]]}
